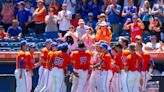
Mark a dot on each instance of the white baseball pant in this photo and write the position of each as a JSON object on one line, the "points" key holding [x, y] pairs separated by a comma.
{"points": [[94, 83], [115, 83], [20, 82], [40, 80], [58, 79], [106, 77], [79, 83], [144, 80], [46, 76], [123, 80], [133, 81], [28, 81]]}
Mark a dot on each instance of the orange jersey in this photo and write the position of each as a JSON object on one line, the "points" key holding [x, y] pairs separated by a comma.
{"points": [[44, 54], [41, 13], [115, 69], [30, 60], [21, 60], [107, 61], [81, 59], [120, 58], [105, 35], [135, 30], [48, 59], [134, 62], [145, 61], [60, 60]]}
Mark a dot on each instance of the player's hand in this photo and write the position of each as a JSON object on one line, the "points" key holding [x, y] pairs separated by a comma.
{"points": [[71, 78]]}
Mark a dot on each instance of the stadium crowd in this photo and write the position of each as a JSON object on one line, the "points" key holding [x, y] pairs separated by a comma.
{"points": [[91, 20], [115, 34]]}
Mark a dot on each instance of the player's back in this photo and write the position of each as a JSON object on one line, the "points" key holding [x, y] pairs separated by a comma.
{"points": [[81, 59], [61, 59]]}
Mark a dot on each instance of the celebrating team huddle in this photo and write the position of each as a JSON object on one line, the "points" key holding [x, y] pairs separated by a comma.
{"points": [[97, 70]]}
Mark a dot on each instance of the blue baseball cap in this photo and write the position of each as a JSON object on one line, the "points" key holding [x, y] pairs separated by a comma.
{"points": [[58, 40], [65, 45], [104, 45], [53, 44], [59, 46], [135, 17], [32, 45], [21, 3], [23, 43], [48, 41]]}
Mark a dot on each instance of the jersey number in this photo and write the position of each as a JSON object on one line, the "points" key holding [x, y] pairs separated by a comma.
{"points": [[58, 61], [83, 60]]}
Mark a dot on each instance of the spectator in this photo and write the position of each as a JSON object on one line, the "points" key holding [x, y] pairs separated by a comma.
{"points": [[88, 38], [153, 45], [55, 5], [71, 5], [2, 33], [129, 11], [145, 15], [101, 17], [135, 28], [64, 17], [158, 11], [96, 8], [106, 4], [39, 18], [155, 27], [51, 27], [78, 6], [103, 33], [75, 20], [29, 7], [87, 6], [161, 48], [71, 38], [113, 11], [7, 14], [23, 16], [14, 31], [81, 29], [90, 22]]}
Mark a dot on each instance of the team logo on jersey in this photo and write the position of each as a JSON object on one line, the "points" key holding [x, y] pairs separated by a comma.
{"points": [[58, 61], [83, 60], [123, 60]]}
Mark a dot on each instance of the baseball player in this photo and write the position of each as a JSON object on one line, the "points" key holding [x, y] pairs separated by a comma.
{"points": [[43, 70], [81, 59], [120, 60], [146, 62], [94, 82], [115, 79], [133, 67], [60, 60], [21, 66], [106, 67], [48, 83], [29, 57]]}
